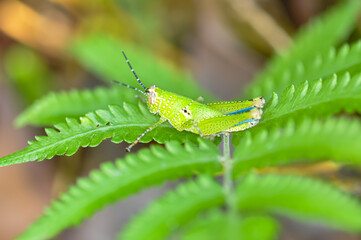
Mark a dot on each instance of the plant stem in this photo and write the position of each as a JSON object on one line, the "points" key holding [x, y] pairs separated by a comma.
{"points": [[227, 181]]}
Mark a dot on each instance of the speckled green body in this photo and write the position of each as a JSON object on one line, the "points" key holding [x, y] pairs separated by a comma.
{"points": [[205, 119]]}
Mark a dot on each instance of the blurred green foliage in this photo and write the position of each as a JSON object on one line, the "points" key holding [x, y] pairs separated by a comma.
{"points": [[28, 71]]}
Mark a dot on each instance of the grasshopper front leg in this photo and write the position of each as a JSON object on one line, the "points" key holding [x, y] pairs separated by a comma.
{"points": [[160, 121]]}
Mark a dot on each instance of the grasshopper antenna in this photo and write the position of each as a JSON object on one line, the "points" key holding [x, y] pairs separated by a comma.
{"points": [[128, 86], [131, 68]]}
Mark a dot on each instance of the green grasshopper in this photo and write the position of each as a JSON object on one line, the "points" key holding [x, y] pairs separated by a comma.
{"points": [[204, 119]]}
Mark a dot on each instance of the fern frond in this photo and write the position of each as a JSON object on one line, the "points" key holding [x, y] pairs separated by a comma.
{"points": [[325, 31], [321, 98], [316, 37], [182, 205], [124, 123], [55, 107], [218, 225], [119, 180], [320, 66], [300, 198], [102, 55], [332, 139]]}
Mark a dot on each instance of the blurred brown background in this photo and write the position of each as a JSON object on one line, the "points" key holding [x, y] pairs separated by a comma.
{"points": [[223, 42]]}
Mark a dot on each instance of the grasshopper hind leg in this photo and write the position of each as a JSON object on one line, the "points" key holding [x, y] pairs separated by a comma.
{"points": [[254, 119], [230, 123]]}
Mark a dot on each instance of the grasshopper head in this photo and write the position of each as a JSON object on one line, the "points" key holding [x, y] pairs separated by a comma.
{"points": [[153, 98], [152, 94]]}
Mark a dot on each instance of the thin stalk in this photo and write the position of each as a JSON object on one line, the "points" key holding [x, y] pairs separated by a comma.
{"points": [[227, 181]]}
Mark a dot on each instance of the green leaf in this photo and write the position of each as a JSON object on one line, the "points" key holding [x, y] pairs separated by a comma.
{"points": [[301, 198], [216, 225], [103, 55], [182, 205], [55, 107], [122, 178], [311, 45], [124, 123], [333, 139], [320, 66]]}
